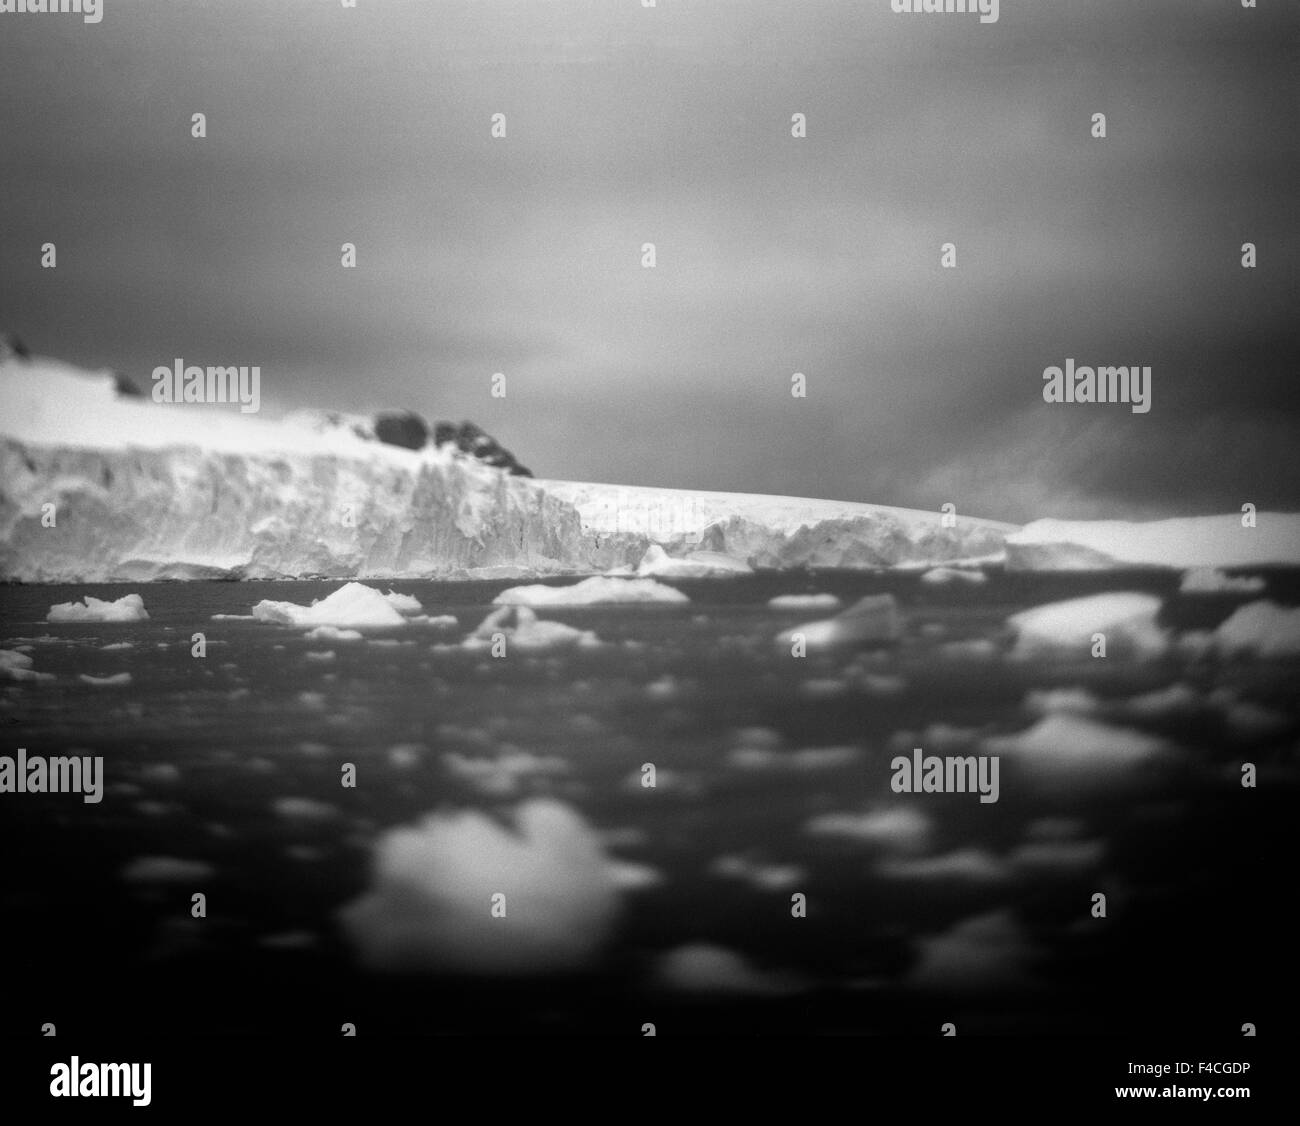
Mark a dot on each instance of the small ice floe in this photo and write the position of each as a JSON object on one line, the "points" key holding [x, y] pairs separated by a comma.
{"points": [[128, 608], [900, 828], [590, 592], [1067, 629], [404, 603], [696, 565], [1073, 752], [704, 968], [459, 893], [804, 602], [761, 877], [502, 776], [352, 606], [524, 631], [954, 576], [1260, 629], [967, 865], [117, 645], [1247, 721], [320, 655], [117, 680], [404, 756], [304, 809], [332, 633], [165, 773], [988, 952], [1208, 580], [806, 759], [18, 666], [627, 876], [436, 621], [874, 619], [166, 870], [1057, 857]]}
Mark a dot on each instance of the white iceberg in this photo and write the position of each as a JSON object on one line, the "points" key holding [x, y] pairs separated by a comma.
{"points": [[874, 619], [949, 576], [128, 608], [458, 893], [1182, 543], [1263, 629], [590, 592], [353, 606], [523, 630], [804, 602], [1071, 752], [404, 603], [1066, 629]]}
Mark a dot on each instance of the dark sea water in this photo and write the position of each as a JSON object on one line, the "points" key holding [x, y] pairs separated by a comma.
{"points": [[199, 751]]}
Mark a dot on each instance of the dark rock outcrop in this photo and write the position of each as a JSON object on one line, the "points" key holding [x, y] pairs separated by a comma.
{"points": [[402, 428]]}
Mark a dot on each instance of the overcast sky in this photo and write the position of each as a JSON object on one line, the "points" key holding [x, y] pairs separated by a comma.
{"points": [[775, 255]]}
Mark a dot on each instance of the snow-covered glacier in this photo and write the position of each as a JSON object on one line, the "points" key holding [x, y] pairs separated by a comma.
{"points": [[100, 486], [97, 485]]}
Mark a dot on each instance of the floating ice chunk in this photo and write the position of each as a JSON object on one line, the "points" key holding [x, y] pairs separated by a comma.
{"points": [[1198, 541], [525, 632], [761, 877], [431, 906], [1072, 751], [804, 602], [1207, 580], [900, 828], [703, 968], [353, 606], [304, 809], [973, 865], [947, 576], [1263, 629], [1057, 856], [117, 680], [808, 758], [988, 952], [871, 620], [1066, 629], [404, 603], [501, 776], [166, 870], [590, 592], [18, 666], [128, 608], [332, 633]]}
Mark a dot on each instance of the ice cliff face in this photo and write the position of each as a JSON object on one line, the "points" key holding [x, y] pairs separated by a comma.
{"points": [[98, 486]]}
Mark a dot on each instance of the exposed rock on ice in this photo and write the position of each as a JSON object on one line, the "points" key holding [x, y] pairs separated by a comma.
{"points": [[693, 565], [352, 606], [430, 907], [1263, 629], [871, 620], [1065, 629], [128, 608], [1197, 541], [590, 592]]}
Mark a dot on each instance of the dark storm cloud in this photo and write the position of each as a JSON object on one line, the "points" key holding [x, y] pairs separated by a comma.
{"points": [[671, 125]]}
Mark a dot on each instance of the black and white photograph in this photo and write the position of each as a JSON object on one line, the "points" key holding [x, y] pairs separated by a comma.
{"points": [[704, 520]]}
